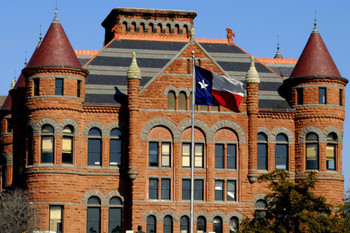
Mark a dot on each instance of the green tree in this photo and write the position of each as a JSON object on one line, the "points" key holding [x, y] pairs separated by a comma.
{"points": [[292, 206]]}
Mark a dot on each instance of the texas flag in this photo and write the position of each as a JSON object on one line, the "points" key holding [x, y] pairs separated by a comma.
{"points": [[213, 89]]}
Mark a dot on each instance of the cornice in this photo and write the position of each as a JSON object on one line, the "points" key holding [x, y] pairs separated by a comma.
{"points": [[101, 109], [276, 115]]}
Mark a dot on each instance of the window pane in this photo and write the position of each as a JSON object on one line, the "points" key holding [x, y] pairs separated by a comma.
{"points": [[115, 152], [168, 224], [322, 95], [311, 156], [330, 156], [219, 156], [47, 129], [93, 219], [300, 96], [217, 225], [165, 154], [47, 152], [153, 154], [281, 138], [219, 190], [184, 224], [231, 156], [151, 224], [231, 190], [78, 88], [94, 152], [56, 218], [234, 223], [94, 201], [153, 188], [36, 87], [262, 137], [67, 149], [165, 189], [311, 137], [201, 225], [281, 156], [115, 220], [198, 190], [262, 156], [116, 133], [59, 86], [198, 155], [94, 132], [115, 201], [186, 148], [186, 189]]}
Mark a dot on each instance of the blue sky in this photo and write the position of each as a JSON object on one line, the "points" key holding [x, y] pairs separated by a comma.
{"points": [[256, 24]]}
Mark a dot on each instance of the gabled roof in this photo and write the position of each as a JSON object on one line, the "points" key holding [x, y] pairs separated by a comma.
{"points": [[55, 49], [107, 83], [315, 60]]}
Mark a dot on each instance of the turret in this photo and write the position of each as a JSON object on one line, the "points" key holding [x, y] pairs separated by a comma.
{"points": [[316, 91]]}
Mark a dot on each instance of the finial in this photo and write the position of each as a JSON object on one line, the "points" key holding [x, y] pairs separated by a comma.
{"points": [[40, 38], [25, 59], [55, 19], [252, 74], [134, 70], [278, 53], [13, 82], [315, 24], [193, 34]]}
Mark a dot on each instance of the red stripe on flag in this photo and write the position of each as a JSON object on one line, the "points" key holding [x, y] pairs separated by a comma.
{"points": [[229, 100]]}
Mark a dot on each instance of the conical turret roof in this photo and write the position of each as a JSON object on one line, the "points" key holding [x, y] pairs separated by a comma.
{"points": [[55, 49], [315, 60]]}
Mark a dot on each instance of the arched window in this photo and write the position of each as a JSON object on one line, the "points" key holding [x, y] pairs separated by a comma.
{"points": [[171, 100], [331, 151], [217, 225], [151, 224], [201, 224], [115, 215], [262, 151], [160, 28], [47, 144], [67, 144], [182, 101], [30, 145], [142, 27], [151, 27], [94, 147], [93, 215], [133, 27], [184, 224], [281, 152], [115, 148], [124, 26], [311, 151], [260, 208], [234, 223], [168, 224]]}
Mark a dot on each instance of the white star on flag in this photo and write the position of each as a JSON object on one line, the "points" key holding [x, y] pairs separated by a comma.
{"points": [[203, 84]]}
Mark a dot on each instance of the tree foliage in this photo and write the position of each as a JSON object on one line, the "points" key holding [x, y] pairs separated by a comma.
{"points": [[292, 206], [15, 211]]}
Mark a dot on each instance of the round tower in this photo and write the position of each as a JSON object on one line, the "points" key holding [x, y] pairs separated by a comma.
{"points": [[316, 91]]}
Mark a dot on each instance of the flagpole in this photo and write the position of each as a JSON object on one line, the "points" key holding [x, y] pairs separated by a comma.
{"points": [[192, 143]]}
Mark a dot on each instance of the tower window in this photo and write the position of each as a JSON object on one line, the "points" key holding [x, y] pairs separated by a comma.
{"points": [[322, 95], [47, 144], [300, 96], [59, 86], [340, 97], [36, 86], [311, 151], [331, 151], [78, 88], [67, 144]]}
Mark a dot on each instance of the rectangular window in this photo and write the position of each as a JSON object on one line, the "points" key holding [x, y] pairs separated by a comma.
{"points": [[36, 86], [78, 88], [322, 95], [186, 158], [312, 156], [165, 189], [231, 190], [153, 188], [115, 152], [262, 156], [231, 156], [114, 219], [47, 151], [93, 219], [153, 154], [67, 149], [198, 155], [94, 152], [300, 96], [8, 124], [281, 159], [166, 154], [330, 156], [56, 218], [219, 190], [198, 190], [219, 156], [340, 97], [59, 86], [186, 189]]}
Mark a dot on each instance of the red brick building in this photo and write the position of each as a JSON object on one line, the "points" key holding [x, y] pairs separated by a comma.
{"points": [[102, 139]]}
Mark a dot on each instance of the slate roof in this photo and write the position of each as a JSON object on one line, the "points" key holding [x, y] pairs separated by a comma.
{"points": [[107, 83]]}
